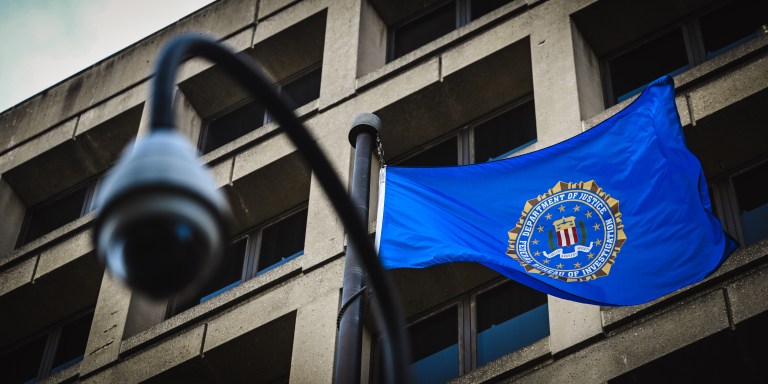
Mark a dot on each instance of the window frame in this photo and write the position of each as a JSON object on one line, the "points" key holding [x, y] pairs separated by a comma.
{"points": [[465, 135], [52, 334], [692, 37], [609, 99], [266, 119], [91, 186], [466, 304], [462, 17], [253, 238], [725, 202]]}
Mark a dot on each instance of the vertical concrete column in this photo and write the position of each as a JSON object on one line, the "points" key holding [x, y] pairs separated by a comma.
{"points": [[340, 51], [325, 232], [372, 43], [13, 217], [144, 123], [188, 122], [108, 324], [558, 117], [589, 84], [314, 340]]}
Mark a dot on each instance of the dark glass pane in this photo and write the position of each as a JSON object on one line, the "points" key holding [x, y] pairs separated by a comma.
{"points": [[509, 317], [21, 364], [230, 273], [435, 347], [631, 70], [482, 7], [282, 241], [445, 153], [753, 203], [51, 215], [732, 24], [505, 133], [72, 341], [303, 89], [232, 125], [424, 29], [227, 277]]}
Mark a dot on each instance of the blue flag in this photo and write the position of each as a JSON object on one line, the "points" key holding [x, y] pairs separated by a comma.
{"points": [[617, 215]]}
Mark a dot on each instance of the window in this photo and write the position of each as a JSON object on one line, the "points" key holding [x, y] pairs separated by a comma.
{"points": [[302, 88], [54, 350], [55, 212], [508, 318], [221, 130], [741, 203], [471, 331], [253, 254], [680, 46], [752, 202], [494, 137], [298, 90], [435, 22]]}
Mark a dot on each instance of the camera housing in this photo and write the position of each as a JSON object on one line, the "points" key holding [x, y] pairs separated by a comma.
{"points": [[161, 224]]}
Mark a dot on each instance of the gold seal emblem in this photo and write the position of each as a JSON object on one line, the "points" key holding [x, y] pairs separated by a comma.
{"points": [[573, 232]]}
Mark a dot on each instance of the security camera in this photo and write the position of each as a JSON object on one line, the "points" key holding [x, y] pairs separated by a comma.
{"points": [[161, 223]]}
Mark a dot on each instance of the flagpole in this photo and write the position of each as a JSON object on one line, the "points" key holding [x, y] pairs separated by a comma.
{"points": [[365, 128]]}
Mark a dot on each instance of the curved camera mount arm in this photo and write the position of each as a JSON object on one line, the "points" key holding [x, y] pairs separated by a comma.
{"points": [[249, 76]]}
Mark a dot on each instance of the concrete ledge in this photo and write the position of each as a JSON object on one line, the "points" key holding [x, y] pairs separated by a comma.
{"points": [[260, 285], [113, 107], [154, 360], [47, 239], [66, 251], [447, 41], [639, 344], [17, 275], [485, 42], [729, 88], [45, 142], [268, 8], [749, 295], [507, 364], [64, 376], [283, 299], [614, 316]]}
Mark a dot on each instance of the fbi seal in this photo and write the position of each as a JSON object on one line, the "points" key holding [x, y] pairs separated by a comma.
{"points": [[573, 233]]}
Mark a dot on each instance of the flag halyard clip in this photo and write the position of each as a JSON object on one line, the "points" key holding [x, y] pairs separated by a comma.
{"points": [[380, 152]]}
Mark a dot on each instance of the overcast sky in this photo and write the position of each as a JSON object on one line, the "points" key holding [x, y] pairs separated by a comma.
{"points": [[45, 41]]}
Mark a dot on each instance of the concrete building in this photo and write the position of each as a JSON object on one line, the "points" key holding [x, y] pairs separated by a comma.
{"points": [[454, 82]]}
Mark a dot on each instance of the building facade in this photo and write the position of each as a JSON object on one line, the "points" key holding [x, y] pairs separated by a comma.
{"points": [[454, 82]]}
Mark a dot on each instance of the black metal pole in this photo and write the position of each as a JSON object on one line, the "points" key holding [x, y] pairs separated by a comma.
{"points": [[349, 342]]}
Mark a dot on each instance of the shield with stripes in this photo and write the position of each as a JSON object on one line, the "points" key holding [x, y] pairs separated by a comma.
{"points": [[566, 231]]}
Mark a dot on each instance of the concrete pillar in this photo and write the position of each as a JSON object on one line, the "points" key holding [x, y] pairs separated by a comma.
{"points": [[314, 340], [325, 231], [188, 122], [13, 217], [588, 81], [144, 123], [340, 51], [108, 324], [558, 117], [372, 43]]}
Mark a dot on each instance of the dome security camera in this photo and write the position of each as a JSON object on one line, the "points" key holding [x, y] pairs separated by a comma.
{"points": [[161, 225]]}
